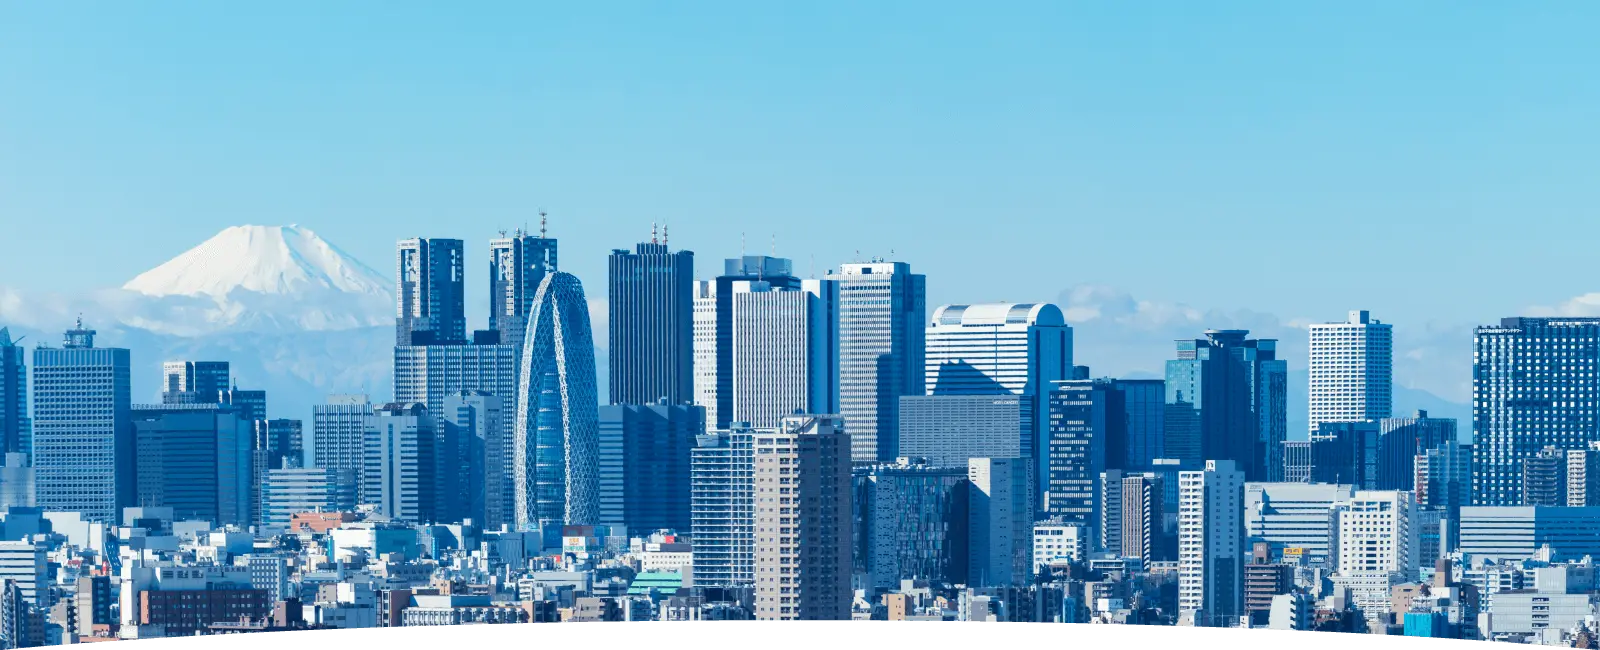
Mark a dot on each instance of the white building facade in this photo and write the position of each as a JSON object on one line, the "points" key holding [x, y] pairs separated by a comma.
{"points": [[1351, 370]]}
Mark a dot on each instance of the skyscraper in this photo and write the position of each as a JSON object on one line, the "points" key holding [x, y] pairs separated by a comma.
{"points": [[478, 462], [713, 329], [556, 469], [1351, 365], [1143, 432], [398, 473], [1401, 440], [803, 554], [1211, 544], [1347, 452], [193, 382], [644, 456], [910, 524], [1534, 384], [785, 354], [1081, 418], [195, 459], [338, 434], [1583, 476], [83, 441], [722, 489], [276, 444], [1000, 514], [428, 291], [518, 263], [15, 431], [1226, 400], [881, 350], [948, 430], [652, 325], [1444, 478]]}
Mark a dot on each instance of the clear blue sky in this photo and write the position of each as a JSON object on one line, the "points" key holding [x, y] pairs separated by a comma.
{"points": [[1427, 160]]}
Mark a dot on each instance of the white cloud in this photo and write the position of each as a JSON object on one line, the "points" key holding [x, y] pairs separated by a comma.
{"points": [[1585, 305]]}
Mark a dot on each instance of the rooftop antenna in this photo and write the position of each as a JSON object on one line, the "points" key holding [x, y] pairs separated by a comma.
{"points": [[774, 244], [741, 244], [663, 233], [653, 238], [542, 222]]}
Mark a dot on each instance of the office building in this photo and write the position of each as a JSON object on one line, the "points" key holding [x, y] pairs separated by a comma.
{"points": [[910, 524], [1226, 400], [518, 263], [1081, 417], [1351, 367], [644, 458], [430, 374], [1544, 478], [429, 280], [713, 329], [478, 461], [1401, 440], [83, 438], [1346, 452], [26, 565], [785, 351], [555, 471], [1001, 349], [1210, 544], [1444, 477], [1056, 542], [1296, 520], [195, 459], [1141, 434], [1518, 532], [881, 350], [1376, 535], [16, 434], [1297, 461], [999, 521], [193, 382], [651, 325], [16, 481], [722, 505], [288, 492], [947, 430], [1583, 476], [339, 432], [276, 444], [802, 478], [251, 404], [398, 473], [1534, 383]]}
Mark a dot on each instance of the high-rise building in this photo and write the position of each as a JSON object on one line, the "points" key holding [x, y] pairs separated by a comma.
{"points": [[16, 434], [947, 430], [1534, 385], [1297, 461], [26, 565], [288, 492], [1544, 478], [1001, 349], [1401, 440], [1517, 533], [1295, 519], [1346, 452], [518, 263], [276, 444], [338, 435], [555, 471], [477, 462], [1142, 427], [1444, 477], [1141, 523], [713, 329], [430, 374], [722, 495], [1081, 417], [83, 441], [429, 279], [644, 457], [652, 325], [193, 382], [1226, 400], [16, 481], [251, 404], [1351, 367], [1583, 476], [785, 351], [1000, 509], [802, 478], [398, 474], [910, 524], [1378, 547], [195, 459], [1210, 544], [881, 351]]}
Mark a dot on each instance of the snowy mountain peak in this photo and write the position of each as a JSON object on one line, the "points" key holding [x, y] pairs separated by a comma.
{"points": [[279, 260]]}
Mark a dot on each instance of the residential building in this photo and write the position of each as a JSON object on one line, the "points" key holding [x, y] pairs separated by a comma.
{"points": [[1210, 544], [644, 464], [83, 437], [1583, 476], [881, 350], [1226, 400], [722, 495], [1351, 367], [805, 462], [429, 281], [1544, 478], [651, 325], [1534, 384]]}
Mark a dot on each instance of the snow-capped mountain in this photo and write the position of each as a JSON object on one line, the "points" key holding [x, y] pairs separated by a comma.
{"points": [[256, 278]]}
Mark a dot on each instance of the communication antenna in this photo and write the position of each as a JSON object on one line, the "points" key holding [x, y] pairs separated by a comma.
{"points": [[741, 244], [663, 233], [653, 238], [543, 222]]}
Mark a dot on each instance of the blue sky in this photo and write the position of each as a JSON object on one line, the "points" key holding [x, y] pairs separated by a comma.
{"points": [[1431, 161]]}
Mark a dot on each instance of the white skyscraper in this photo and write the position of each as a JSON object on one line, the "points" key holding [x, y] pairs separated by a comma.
{"points": [[1351, 366], [1378, 547], [785, 351], [705, 348], [881, 310], [1211, 544]]}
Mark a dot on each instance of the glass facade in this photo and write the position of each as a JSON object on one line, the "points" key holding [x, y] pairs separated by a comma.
{"points": [[644, 458], [651, 351], [1227, 400], [910, 524], [882, 306], [83, 442], [430, 305], [556, 469]]}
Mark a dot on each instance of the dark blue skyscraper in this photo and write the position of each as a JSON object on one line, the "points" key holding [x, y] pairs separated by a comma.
{"points": [[1347, 453], [428, 292], [644, 459], [1534, 385], [15, 434], [1142, 437], [517, 264], [1084, 414], [1226, 400], [195, 459], [652, 325]]}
